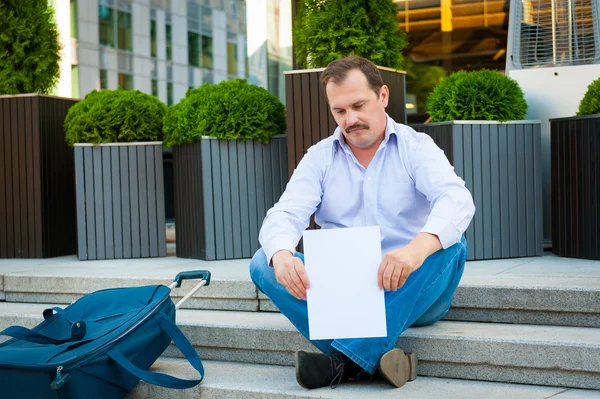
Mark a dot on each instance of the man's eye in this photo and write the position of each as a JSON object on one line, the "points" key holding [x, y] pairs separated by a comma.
{"points": [[358, 106]]}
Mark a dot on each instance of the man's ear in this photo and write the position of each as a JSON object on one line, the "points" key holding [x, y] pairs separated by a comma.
{"points": [[384, 95]]}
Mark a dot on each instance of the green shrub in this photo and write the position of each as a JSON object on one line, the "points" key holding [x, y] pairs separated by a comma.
{"points": [[115, 116], [590, 103], [477, 95], [29, 47], [327, 30], [231, 109]]}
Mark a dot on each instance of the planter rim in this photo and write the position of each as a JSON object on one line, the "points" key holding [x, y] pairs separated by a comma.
{"points": [[295, 71], [140, 143], [277, 136], [476, 122], [576, 117], [37, 95]]}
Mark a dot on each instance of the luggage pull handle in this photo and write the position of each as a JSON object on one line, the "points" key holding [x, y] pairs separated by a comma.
{"points": [[190, 275]]}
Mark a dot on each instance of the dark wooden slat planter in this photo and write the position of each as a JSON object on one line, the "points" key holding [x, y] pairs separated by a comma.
{"points": [[308, 117], [501, 166], [223, 189], [575, 168], [120, 201], [37, 191]]}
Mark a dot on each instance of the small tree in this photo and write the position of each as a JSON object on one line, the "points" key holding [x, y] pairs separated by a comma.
{"points": [[326, 30], [590, 103], [29, 47]]}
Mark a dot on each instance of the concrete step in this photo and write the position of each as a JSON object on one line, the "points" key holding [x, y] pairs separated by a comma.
{"points": [[540, 355], [225, 380], [546, 290]]}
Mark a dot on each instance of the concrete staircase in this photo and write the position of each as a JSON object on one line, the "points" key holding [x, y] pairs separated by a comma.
{"points": [[523, 321]]}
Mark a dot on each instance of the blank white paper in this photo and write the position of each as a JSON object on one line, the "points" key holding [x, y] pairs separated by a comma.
{"points": [[344, 300]]}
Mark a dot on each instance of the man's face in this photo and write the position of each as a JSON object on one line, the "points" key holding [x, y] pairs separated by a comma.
{"points": [[358, 111]]}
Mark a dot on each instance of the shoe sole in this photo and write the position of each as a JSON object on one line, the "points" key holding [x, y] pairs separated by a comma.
{"points": [[398, 368]]}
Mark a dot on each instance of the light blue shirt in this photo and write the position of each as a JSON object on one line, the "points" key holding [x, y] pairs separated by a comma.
{"points": [[408, 187]]}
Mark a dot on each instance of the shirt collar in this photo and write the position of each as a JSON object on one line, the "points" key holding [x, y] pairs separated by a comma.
{"points": [[339, 141]]}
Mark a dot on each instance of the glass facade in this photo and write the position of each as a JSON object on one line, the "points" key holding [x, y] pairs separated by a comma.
{"points": [[125, 81], [153, 43], [169, 37], [106, 24]]}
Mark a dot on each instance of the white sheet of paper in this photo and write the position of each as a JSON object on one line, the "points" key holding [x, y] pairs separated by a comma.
{"points": [[344, 300]]}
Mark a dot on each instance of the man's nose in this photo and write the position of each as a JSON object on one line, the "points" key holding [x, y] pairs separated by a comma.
{"points": [[351, 118]]}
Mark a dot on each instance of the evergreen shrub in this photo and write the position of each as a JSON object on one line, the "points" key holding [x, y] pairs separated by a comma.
{"points": [[590, 103]]}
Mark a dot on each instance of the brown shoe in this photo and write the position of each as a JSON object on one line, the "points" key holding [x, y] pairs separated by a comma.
{"points": [[397, 368]]}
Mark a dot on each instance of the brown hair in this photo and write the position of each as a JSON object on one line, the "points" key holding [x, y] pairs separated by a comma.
{"points": [[337, 71]]}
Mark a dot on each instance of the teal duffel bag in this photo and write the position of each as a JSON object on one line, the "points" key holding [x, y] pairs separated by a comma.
{"points": [[98, 347]]}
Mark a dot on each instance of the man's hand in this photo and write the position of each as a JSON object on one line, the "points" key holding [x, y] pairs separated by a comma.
{"points": [[291, 273], [398, 264]]}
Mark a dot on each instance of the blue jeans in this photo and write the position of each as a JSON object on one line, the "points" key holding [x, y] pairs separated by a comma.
{"points": [[424, 299]]}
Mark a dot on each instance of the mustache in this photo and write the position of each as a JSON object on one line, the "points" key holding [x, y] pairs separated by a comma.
{"points": [[357, 126]]}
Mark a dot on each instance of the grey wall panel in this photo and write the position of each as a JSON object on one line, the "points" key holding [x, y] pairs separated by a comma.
{"points": [[107, 197], [500, 164], [125, 201], [143, 203], [235, 197], [113, 201], [116, 202]]}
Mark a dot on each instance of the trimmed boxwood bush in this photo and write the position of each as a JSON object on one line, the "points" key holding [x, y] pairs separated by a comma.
{"points": [[590, 103], [477, 95], [29, 47], [231, 109], [327, 30], [115, 116]]}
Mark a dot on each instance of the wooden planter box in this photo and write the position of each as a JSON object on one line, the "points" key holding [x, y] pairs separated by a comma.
{"points": [[308, 117], [223, 189], [501, 166], [37, 191], [120, 201], [575, 191]]}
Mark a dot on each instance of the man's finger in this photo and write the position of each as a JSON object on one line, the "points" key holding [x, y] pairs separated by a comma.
{"points": [[290, 286], [380, 273], [297, 284], [403, 277], [301, 270], [387, 276], [395, 279]]}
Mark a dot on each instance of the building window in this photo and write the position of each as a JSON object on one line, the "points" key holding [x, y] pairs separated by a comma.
{"points": [[75, 81], [194, 49], [125, 81], [169, 42], [207, 52], [155, 87], [232, 59], [169, 93], [124, 33], [74, 25], [153, 46], [103, 79], [106, 24]]}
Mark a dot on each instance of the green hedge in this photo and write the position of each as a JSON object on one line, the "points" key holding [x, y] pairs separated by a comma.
{"points": [[115, 116], [590, 103], [29, 47], [477, 95], [327, 30], [231, 109]]}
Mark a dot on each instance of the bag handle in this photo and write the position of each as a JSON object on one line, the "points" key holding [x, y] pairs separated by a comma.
{"points": [[78, 331], [160, 379]]}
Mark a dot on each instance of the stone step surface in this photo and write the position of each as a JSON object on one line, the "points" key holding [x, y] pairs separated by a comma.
{"points": [[545, 290], [225, 380], [540, 355]]}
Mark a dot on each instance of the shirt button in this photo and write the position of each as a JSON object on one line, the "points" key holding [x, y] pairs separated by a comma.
{"points": [[368, 205], [369, 178]]}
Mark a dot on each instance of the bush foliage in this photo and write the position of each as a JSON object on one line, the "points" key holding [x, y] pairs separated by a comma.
{"points": [[477, 95], [231, 109], [590, 103], [332, 29], [115, 116], [29, 47]]}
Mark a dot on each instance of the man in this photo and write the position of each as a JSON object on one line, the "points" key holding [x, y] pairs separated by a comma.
{"points": [[371, 172]]}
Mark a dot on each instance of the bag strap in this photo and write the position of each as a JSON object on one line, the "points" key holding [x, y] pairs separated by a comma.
{"points": [[160, 379], [26, 334]]}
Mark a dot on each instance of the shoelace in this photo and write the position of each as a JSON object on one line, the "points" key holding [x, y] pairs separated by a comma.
{"points": [[337, 365]]}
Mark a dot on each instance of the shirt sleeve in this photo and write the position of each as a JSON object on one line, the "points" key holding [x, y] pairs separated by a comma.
{"points": [[289, 217], [452, 206]]}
